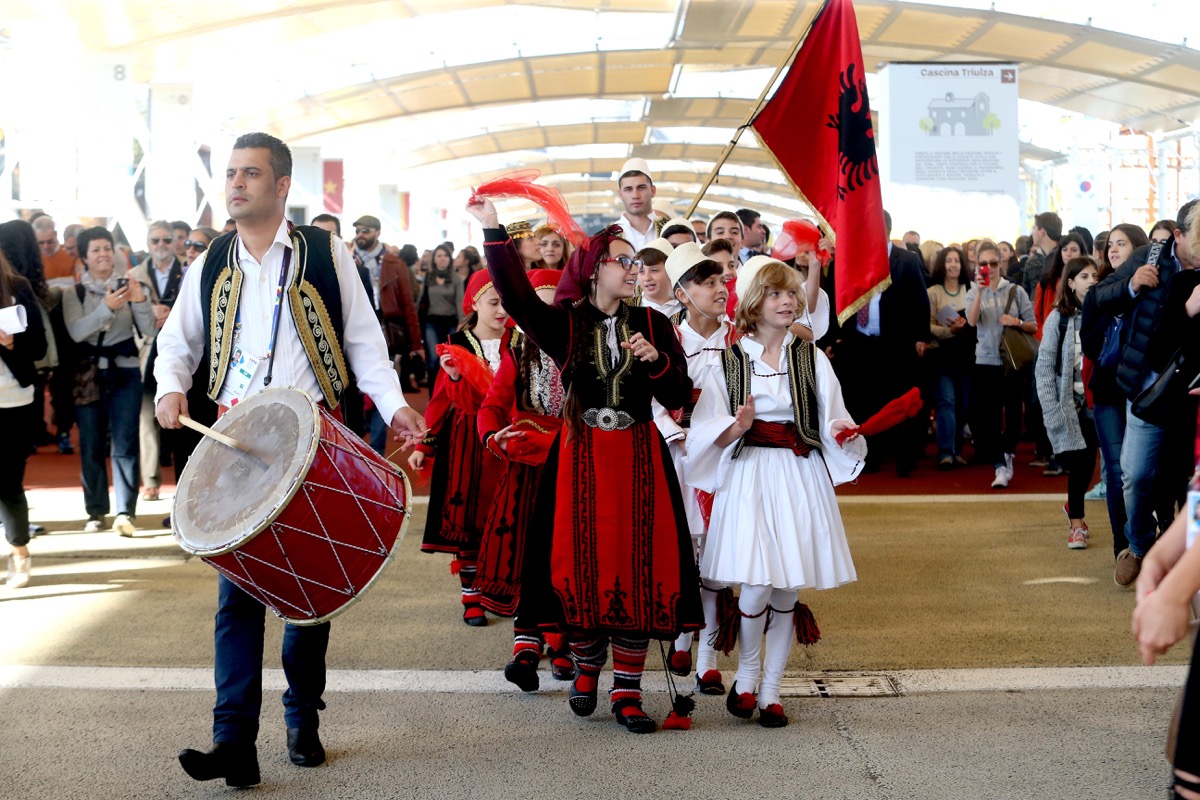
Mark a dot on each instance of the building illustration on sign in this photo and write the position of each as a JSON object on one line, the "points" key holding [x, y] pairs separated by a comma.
{"points": [[953, 116]]}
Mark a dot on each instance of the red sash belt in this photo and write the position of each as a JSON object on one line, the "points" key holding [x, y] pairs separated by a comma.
{"points": [[783, 435]]}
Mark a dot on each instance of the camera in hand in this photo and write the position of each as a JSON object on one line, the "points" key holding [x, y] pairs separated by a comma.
{"points": [[122, 283], [985, 276]]}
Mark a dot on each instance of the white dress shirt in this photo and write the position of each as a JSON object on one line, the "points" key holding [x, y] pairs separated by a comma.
{"points": [[633, 236], [181, 340], [667, 309]]}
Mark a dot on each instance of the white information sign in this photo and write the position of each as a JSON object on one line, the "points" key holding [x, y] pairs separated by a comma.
{"points": [[952, 126]]}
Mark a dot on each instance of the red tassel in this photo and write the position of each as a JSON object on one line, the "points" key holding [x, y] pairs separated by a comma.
{"points": [[729, 620], [675, 722], [521, 184], [456, 566], [807, 631]]}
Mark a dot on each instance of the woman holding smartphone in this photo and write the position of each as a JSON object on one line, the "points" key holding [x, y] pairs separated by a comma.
{"points": [[993, 304], [102, 314]]}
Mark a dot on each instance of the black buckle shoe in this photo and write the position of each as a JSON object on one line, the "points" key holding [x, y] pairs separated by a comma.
{"points": [[581, 702], [522, 671], [630, 716], [562, 668], [236, 763], [304, 747], [740, 704]]}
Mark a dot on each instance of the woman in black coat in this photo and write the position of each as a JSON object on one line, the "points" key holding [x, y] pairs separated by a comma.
{"points": [[18, 352]]}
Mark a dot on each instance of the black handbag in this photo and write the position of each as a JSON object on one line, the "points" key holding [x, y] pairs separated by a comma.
{"points": [[1160, 403]]}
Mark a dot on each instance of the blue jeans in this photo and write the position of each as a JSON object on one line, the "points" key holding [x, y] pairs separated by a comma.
{"points": [[1141, 453], [116, 412], [437, 331], [951, 393], [238, 667], [1110, 430], [379, 432]]}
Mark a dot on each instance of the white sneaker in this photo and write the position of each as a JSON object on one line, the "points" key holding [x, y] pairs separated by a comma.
{"points": [[1078, 539], [94, 525], [12, 569], [18, 577], [124, 525], [1001, 479]]}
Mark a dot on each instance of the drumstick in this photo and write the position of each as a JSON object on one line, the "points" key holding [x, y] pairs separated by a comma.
{"points": [[209, 432], [228, 441]]}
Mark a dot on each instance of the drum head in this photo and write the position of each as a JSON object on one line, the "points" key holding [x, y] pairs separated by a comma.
{"points": [[225, 496]]}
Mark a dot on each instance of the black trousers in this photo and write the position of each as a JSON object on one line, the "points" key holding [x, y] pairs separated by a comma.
{"points": [[17, 430], [1081, 463], [874, 371], [1187, 751], [996, 412]]}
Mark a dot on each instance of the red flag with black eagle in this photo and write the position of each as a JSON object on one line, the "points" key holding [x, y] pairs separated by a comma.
{"points": [[818, 128]]}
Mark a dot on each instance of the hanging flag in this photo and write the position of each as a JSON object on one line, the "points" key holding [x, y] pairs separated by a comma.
{"points": [[818, 128], [333, 185], [405, 210]]}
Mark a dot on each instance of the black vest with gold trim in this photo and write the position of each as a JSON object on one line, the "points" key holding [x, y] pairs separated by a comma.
{"points": [[802, 378], [313, 298]]}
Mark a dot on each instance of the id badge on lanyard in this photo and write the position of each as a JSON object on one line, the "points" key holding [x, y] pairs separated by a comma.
{"points": [[244, 367]]}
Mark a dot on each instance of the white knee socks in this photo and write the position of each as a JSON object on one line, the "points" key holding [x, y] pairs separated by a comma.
{"points": [[780, 635]]}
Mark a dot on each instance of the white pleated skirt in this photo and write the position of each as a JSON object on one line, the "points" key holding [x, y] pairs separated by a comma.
{"points": [[776, 523]]}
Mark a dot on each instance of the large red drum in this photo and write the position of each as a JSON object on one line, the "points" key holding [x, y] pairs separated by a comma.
{"points": [[306, 522]]}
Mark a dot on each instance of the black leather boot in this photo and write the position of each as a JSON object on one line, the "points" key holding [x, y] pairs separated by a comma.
{"points": [[236, 763]]}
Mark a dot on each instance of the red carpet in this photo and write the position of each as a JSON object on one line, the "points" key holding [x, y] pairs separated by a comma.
{"points": [[49, 470]]}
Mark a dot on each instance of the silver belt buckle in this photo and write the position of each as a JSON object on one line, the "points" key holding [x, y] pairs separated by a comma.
{"points": [[607, 419]]}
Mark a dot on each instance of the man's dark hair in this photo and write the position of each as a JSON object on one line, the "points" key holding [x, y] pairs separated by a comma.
{"points": [[717, 245], [887, 222], [747, 217], [632, 173], [281, 155], [1022, 245], [651, 256], [337, 223], [701, 272], [729, 215], [180, 225], [1182, 222], [1051, 223], [671, 230], [408, 254], [89, 235], [1086, 235]]}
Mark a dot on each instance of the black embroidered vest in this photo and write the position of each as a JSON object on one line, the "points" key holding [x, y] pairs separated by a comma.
{"points": [[313, 298], [802, 378]]}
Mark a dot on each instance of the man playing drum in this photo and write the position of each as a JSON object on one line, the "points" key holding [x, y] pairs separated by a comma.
{"points": [[267, 303]]}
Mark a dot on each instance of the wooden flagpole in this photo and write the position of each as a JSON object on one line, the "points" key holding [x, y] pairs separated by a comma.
{"points": [[762, 99]]}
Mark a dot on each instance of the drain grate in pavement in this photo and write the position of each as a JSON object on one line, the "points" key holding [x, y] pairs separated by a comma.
{"points": [[838, 686]]}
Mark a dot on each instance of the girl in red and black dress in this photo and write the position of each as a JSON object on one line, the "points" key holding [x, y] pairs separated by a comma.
{"points": [[518, 422], [464, 476], [614, 560]]}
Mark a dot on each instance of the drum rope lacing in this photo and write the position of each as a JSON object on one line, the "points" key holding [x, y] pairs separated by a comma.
{"points": [[276, 528]]}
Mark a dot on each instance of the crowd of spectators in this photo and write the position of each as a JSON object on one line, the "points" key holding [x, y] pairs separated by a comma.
{"points": [[949, 323]]}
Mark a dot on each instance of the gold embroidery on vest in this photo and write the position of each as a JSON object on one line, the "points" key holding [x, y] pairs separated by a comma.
{"points": [[224, 301], [612, 378], [802, 381], [319, 339]]}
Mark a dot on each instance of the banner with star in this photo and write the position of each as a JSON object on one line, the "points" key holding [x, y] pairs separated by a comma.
{"points": [[333, 185]]}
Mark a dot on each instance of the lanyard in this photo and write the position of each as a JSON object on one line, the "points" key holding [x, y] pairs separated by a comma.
{"points": [[287, 257]]}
